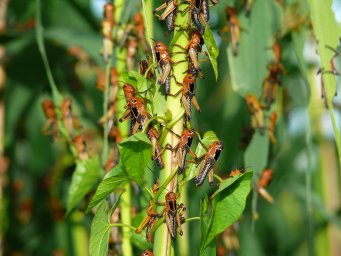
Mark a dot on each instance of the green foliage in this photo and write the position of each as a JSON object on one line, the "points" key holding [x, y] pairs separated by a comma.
{"points": [[114, 179], [83, 179], [228, 206], [213, 50], [248, 68], [135, 154], [41, 177]]}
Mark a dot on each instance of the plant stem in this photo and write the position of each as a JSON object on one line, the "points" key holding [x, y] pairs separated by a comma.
{"points": [[122, 225], [125, 202], [105, 109], [162, 242]]}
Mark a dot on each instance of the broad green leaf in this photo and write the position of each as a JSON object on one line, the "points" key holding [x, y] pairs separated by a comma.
{"points": [[248, 68], [212, 48], [111, 181], [83, 179], [135, 154], [228, 207], [327, 33], [228, 182], [135, 79], [100, 231], [207, 140]]}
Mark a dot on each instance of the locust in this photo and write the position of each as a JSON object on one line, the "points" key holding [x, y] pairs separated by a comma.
{"points": [[165, 63], [136, 110], [271, 83], [173, 215], [51, 125], [233, 27], [193, 47], [154, 135], [256, 110], [139, 30], [263, 182], [149, 220], [188, 95], [108, 24], [207, 162], [170, 8], [272, 127], [81, 147], [131, 53], [69, 120], [144, 66], [147, 253]]}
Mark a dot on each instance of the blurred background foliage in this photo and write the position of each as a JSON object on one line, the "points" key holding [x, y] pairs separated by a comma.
{"points": [[305, 217]]}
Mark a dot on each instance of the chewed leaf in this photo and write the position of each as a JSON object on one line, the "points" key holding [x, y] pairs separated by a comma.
{"points": [[83, 179], [212, 48], [207, 140], [135, 154]]}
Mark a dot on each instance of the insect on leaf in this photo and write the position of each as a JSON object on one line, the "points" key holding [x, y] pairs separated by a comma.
{"points": [[207, 140]]}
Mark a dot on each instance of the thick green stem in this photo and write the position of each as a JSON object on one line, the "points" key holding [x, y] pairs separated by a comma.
{"points": [[125, 202], [162, 243]]}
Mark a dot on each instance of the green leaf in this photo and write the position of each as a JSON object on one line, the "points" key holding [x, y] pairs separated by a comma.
{"points": [[135, 79], [228, 182], [207, 140], [83, 179], [248, 68], [135, 154], [212, 48], [327, 33], [111, 181], [204, 222], [139, 240], [100, 231], [228, 207]]}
